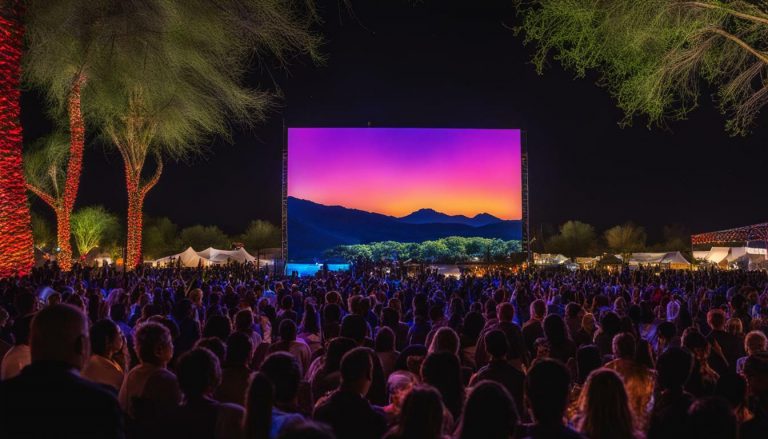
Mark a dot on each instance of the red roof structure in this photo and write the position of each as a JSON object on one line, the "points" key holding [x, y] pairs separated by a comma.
{"points": [[756, 232]]}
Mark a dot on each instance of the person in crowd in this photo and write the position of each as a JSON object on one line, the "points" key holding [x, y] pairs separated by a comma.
{"points": [[499, 369], [421, 416], [325, 375], [610, 326], [638, 378], [505, 314], [754, 342], [399, 384], [443, 371], [712, 418], [733, 388], [756, 373], [469, 336], [245, 324], [385, 349], [309, 331], [289, 343], [728, 347], [703, 377], [18, 356], [150, 381], [445, 340], [49, 398], [346, 410], [199, 415], [668, 416], [235, 374], [586, 333], [106, 342], [604, 407], [547, 389], [489, 413], [561, 347], [272, 398], [533, 329], [189, 328], [215, 345]]}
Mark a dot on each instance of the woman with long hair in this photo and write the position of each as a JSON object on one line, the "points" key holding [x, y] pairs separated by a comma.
{"points": [[443, 371], [604, 407], [561, 347], [271, 402], [421, 416], [490, 413]]}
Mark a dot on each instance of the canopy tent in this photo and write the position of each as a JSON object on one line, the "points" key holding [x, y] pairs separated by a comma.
{"points": [[673, 259], [188, 258], [223, 256], [549, 259]]}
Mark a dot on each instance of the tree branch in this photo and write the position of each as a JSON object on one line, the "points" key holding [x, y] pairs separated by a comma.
{"points": [[155, 178], [733, 12], [49, 199], [762, 56]]}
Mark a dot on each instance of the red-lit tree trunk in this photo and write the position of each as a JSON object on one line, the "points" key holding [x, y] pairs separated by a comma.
{"points": [[136, 194], [16, 245], [65, 203]]}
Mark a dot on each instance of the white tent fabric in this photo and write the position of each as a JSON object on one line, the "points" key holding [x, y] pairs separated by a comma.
{"points": [[718, 254], [223, 256], [188, 258], [657, 258]]}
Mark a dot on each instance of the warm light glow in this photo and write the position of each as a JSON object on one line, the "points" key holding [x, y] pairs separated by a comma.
{"points": [[16, 246]]}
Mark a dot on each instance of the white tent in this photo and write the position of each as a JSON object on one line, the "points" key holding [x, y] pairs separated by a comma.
{"points": [[188, 258], [217, 256], [674, 259]]}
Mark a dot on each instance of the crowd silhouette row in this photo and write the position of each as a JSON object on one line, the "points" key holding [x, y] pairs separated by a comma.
{"points": [[229, 352]]}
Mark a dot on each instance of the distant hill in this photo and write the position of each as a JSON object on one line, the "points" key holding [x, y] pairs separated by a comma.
{"points": [[431, 216], [314, 228]]}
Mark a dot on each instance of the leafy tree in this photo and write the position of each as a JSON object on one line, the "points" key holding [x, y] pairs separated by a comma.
{"points": [[575, 239], [160, 237], [41, 231], [45, 167], [16, 243], [91, 226], [259, 235], [654, 55], [625, 239], [201, 237], [58, 62], [169, 75]]}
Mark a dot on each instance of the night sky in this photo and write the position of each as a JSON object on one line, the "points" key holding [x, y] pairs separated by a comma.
{"points": [[456, 63]]}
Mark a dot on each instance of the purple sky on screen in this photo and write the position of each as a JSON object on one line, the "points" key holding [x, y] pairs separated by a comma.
{"points": [[396, 171]]}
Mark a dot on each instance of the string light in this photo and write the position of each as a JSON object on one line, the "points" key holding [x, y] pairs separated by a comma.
{"points": [[136, 194], [739, 234], [16, 245]]}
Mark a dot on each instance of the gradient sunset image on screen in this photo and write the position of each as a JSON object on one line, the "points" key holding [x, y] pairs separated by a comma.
{"points": [[428, 194]]}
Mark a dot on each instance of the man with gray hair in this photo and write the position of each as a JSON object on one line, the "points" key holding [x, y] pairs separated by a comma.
{"points": [[49, 398]]}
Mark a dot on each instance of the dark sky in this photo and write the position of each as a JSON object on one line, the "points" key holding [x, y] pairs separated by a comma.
{"points": [[456, 63]]}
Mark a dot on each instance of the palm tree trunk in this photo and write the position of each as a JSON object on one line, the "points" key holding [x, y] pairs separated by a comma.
{"points": [[16, 245], [74, 169], [136, 194], [135, 207]]}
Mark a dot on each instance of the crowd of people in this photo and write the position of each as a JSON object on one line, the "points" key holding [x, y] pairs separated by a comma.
{"points": [[229, 352]]}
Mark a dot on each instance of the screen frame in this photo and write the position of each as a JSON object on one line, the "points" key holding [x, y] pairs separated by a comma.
{"points": [[524, 196]]}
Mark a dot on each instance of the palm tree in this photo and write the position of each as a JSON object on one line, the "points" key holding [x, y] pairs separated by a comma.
{"points": [[16, 244], [177, 80], [59, 41]]}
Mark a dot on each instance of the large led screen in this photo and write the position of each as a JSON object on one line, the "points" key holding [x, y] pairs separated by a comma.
{"points": [[425, 194]]}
